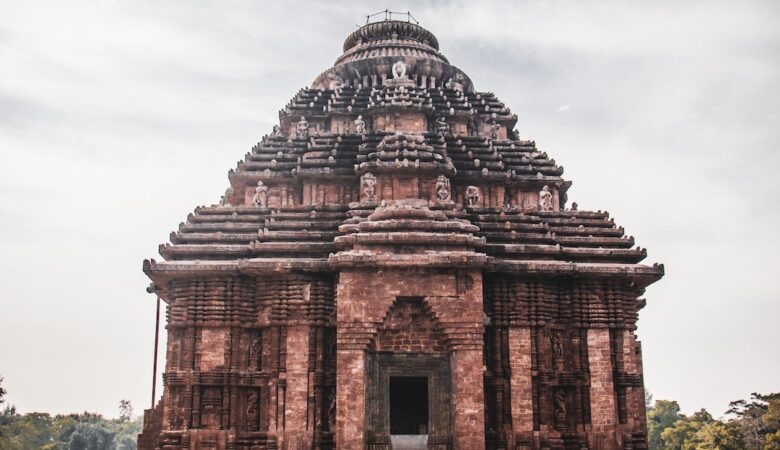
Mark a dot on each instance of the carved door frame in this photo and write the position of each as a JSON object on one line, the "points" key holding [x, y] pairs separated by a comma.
{"points": [[380, 366]]}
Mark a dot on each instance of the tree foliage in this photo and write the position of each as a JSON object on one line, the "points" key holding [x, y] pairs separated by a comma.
{"points": [[660, 417], [2, 391], [752, 424], [85, 431]]}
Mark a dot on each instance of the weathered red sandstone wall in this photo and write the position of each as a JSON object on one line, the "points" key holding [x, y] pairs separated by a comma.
{"points": [[363, 301]]}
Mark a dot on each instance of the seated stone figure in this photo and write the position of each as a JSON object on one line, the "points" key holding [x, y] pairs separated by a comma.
{"points": [[303, 128]]}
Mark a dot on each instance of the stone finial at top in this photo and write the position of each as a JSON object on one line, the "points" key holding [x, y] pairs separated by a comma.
{"points": [[473, 197], [360, 125], [302, 128], [545, 199], [443, 189], [261, 195], [368, 187]]}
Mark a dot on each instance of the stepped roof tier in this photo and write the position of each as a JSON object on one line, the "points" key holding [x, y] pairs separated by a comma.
{"points": [[393, 107]]}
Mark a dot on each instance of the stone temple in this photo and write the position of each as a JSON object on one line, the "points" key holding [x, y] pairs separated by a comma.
{"points": [[393, 267]]}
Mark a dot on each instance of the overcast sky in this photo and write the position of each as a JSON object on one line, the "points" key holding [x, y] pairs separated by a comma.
{"points": [[118, 118]]}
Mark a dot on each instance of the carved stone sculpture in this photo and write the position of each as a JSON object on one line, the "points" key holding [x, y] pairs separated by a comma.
{"points": [[303, 128], [443, 189], [559, 399], [545, 199], [368, 186], [277, 131], [442, 126], [574, 206], [225, 199], [472, 196], [458, 85], [494, 128], [261, 195], [399, 70], [252, 410], [556, 342], [360, 125], [254, 352]]}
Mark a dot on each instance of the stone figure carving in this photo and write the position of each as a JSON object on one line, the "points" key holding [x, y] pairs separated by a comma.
{"points": [[261, 195], [456, 83], [545, 199], [443, 189], [442, 126], [332, 411], [399, 69], [472, 196], [494, 128], [360, 125], [276, 131], [559, 398], [368, 186], [252, 410], [556, 341], [335, 81], [225, 199], [574, 206], [303, 128], [254, 352]]}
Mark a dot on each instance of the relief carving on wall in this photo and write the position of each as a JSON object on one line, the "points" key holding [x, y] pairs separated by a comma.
{"points": [[302, 128], [473, 196], [360, 125], [261, 195], [559, 401], [368, 187], [252, 410], [443, 189], [545, 199]]}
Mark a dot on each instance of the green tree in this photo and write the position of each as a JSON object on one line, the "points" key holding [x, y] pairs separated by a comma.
{"points": [[759, 420], [661, 416], [772, 422], [748, 415], [2, 391], [125, 411], [717, 435], [127, 433], [91, 436], [681, 436]]}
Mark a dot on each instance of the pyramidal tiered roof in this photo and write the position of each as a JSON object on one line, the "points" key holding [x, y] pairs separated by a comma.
{"points": [[390, 127]]}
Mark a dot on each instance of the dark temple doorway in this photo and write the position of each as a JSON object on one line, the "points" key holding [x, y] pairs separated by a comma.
{"points": [[408, 405]]}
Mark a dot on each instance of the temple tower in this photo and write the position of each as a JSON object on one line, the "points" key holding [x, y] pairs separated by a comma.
{"points": [[394, 267]]}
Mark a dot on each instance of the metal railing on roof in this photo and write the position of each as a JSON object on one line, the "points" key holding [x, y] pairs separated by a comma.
{"points": [[388, 15]]}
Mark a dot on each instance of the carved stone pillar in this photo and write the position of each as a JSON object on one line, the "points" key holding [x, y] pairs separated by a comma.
{"points": [[468, 402], [350, 399], [602, 390], [298, 432], [521, 381]]}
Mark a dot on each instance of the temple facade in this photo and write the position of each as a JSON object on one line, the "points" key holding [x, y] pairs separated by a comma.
{"points": [[394, 267]]}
